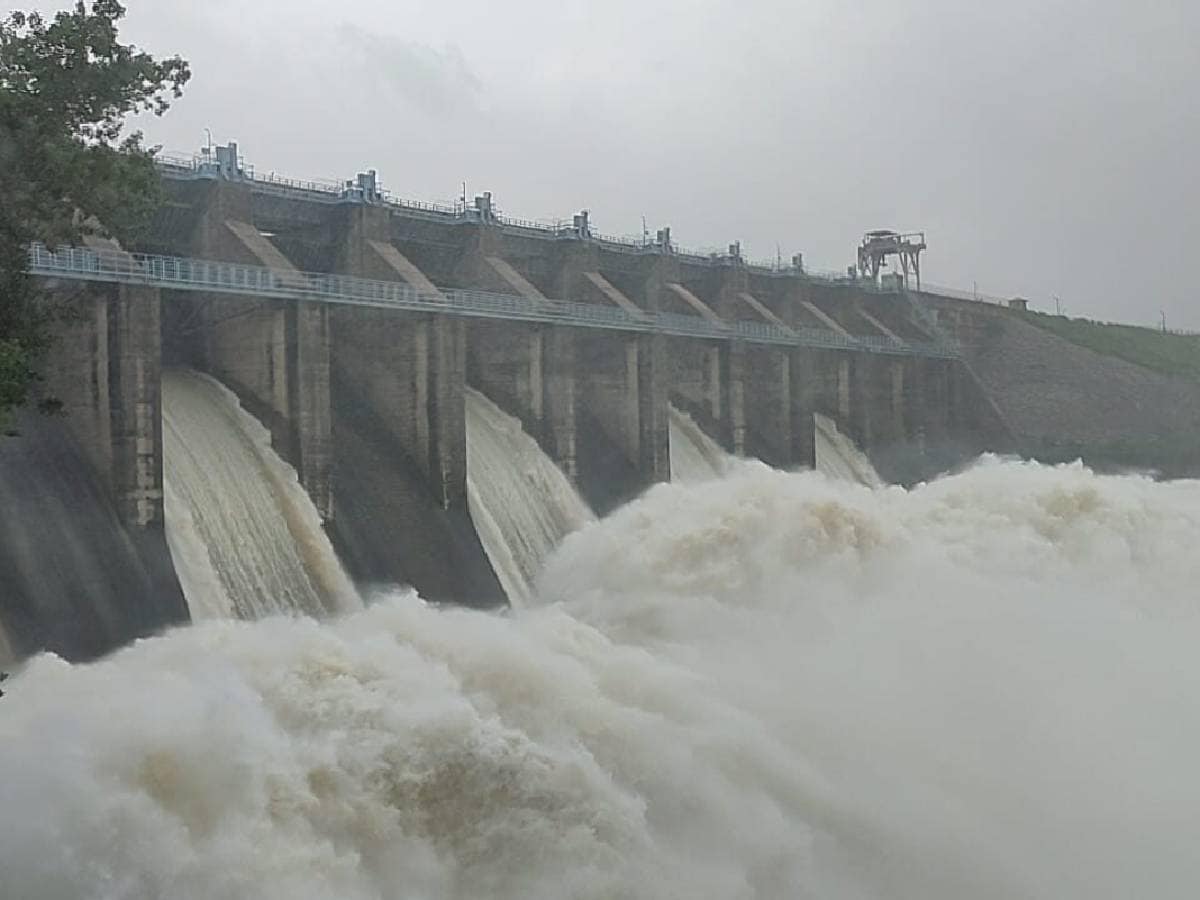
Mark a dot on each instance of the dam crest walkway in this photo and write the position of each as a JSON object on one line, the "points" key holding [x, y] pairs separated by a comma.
{"points": [[176, 273]]}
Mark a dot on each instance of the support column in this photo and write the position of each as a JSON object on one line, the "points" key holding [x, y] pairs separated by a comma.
{"points": [[447, 368], [558, 403], [409, 368], [273, 354], [308, 400], [732, 391], [807, 396], [135, 378], [621, 415], [933, 389], [654, 447], [769, 407], [399, 411]]}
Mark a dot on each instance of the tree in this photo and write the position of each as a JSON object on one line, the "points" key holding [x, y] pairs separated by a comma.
{"points": [[66, 88]]}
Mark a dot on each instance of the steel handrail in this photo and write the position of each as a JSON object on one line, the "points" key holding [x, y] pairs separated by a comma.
{"points": [[183, 273]]}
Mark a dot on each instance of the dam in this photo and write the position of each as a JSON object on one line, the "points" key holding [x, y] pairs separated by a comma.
{"points": [[391, 353]]}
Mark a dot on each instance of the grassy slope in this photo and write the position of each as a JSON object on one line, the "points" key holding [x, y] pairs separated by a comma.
{"points": [[1171, 354]]}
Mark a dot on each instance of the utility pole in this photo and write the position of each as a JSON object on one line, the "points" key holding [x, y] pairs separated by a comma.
{"points": [[1057, 305]]}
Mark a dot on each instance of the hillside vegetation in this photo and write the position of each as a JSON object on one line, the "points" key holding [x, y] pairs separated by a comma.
{"points": [[1170, 354]]}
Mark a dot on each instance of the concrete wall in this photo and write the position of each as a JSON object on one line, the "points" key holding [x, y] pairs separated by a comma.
{"points": [[105, 370], [399, 430], [273, 354], [84, 565]]}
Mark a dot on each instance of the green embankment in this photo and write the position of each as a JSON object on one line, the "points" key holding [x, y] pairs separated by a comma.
{"points": [[1171, 354]]}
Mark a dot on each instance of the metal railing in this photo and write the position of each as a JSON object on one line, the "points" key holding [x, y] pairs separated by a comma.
{"points": [[178, 166], [942, 290], [184, 167], [182, 273], [181, 166]]}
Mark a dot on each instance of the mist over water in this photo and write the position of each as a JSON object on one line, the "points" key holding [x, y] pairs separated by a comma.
{"points": [[246, 539], [520, 501], [769, 685]]}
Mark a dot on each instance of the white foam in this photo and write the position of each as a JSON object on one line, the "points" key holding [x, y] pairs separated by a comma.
{"points": [[768, 685]]}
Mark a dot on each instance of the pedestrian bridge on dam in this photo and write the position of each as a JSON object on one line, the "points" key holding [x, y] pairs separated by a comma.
{"points": [[209, 276]]}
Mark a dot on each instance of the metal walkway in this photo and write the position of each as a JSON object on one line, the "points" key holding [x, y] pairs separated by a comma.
{"points": [[184, 274]]}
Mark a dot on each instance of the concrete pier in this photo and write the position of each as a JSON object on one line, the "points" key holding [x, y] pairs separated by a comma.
{"points": [[273, 354], [399, 428]]}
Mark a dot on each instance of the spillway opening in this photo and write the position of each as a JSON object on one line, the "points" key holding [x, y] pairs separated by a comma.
{"points": [[245, 538], [520, 501], [694, 455], [839, 457]]}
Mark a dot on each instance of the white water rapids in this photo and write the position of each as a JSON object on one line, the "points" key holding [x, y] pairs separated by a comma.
{"points": [[521, 503], [245, 538], [770, 685]]}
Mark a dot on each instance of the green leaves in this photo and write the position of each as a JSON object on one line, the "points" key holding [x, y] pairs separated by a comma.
{"points": [[66, 88]]}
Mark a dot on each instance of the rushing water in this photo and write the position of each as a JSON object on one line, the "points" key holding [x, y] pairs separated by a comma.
{"points": [[839, 457], [246, 539], [520, 501], [694, 455], [769, 685]]}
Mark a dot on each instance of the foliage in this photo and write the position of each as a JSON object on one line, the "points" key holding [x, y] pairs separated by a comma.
{"points": [[66, 87], [1171, 354]]}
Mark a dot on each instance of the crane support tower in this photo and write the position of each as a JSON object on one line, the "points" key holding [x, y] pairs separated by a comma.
{"points": [[877, 246]]}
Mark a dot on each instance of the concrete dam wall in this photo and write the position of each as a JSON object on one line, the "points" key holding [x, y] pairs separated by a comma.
{"points": [[368, 404]]}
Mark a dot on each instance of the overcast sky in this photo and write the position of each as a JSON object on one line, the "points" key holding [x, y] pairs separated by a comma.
{"points": [[1047, 148]]}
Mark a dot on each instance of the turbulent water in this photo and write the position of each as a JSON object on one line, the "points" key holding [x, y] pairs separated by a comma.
{"points": [[839, 457], [246, 539], [521, 503], [694, 455], [770, 685]]}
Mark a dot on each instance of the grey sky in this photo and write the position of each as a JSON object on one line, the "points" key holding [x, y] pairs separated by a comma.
{"points": [[1045, 147]]}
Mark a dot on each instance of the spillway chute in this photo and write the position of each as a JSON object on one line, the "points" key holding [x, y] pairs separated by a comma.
{"points": [[245, 538], [695, 456], [520, 501], [839, 457]]}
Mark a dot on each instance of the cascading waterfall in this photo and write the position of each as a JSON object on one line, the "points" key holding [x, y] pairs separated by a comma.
{"points": [[246, 539], [768, 685], [521, 503], [839, 457], [694, 455]]}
